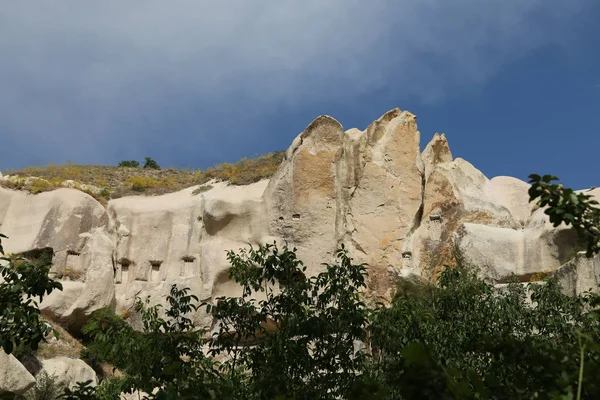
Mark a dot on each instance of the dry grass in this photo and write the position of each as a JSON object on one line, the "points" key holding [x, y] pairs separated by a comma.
{"points": [[108, 182], [245, 171], [66, 345]]}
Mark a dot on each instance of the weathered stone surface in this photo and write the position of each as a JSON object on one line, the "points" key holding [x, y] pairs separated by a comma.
{"points": [[547, 247], [360, 189], [436, 152], [397, 209], [539, 247], [581, 274], [234, 218], [498, 252], [13, 375], [94, 289], [137, 395], [153, 235], [72, 227], [53, 219], [301, 197], [69, 371], [454, 194], [384, 202], [182, 239], [511, 193]]}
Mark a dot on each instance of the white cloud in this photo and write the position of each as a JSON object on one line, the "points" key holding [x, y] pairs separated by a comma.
{"points": [[75, 74]]}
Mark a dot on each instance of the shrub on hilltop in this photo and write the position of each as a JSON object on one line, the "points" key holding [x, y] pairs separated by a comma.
{"points": [[129, 164]]}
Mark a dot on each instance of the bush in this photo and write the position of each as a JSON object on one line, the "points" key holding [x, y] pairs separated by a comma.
{"points": [[96, 352], [141, 183], [39, 186], [150, 163], [45, 388], [465, 332], [114, 181], [100, 320], [300, 341], [167, 353], [129, 164]]}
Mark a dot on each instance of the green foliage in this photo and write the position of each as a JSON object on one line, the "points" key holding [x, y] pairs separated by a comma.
{"points": [[459, 339], [466, 339], [82, 391], [565, 205], [108, 389], [129, 164], [24, 284], [297, 343], [141, 183], [115, 181], [94, 354], [167, 354], [304, 332], [150, 163]]}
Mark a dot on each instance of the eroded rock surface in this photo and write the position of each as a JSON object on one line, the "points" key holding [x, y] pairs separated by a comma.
{"points": [[182, 238], [580, 274], [70, 227], [357, 188], [14, 377], [67, 372], [400, 210]]}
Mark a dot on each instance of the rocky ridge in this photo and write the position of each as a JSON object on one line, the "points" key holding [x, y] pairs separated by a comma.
{"points": [[400, 210]]}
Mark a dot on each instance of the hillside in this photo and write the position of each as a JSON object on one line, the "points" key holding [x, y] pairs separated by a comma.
{"points": [[110, 182]]}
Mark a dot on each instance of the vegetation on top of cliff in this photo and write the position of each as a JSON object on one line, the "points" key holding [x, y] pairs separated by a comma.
{"points": [[110, 182]]}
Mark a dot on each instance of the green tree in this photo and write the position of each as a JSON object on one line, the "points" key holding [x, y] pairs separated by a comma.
{"points": [[166, 355], [129, 164], [300, 341], [150, 163], [465, 338]]}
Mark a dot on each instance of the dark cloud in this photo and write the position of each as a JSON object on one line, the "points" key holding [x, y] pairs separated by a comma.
{"points": [[98, 81]]}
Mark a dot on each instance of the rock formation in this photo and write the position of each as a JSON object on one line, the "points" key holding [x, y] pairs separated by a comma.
{"points": [[13, 375], [72, 227], [69, 371], [182, 238], [400, 210]]}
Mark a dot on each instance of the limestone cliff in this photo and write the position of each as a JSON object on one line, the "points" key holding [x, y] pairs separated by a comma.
{"points": [[396, 208]]}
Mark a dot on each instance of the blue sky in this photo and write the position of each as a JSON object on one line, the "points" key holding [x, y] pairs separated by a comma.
{"points": [[514, 84]]}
